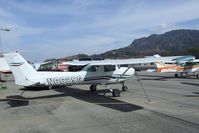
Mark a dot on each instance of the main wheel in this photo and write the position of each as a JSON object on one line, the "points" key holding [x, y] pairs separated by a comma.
{"points": [[93, 87], [124, 88], [116, 93], [176, 75]]}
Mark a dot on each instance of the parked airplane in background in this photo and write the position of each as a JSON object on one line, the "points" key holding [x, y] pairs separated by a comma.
{"points": [[5, 71], [77, 65], [94, 73], [174, 58], [4, 68], [184, 67]]}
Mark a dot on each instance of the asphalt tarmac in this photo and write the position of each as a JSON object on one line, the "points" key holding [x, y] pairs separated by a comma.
{"points": [[173, 107]]}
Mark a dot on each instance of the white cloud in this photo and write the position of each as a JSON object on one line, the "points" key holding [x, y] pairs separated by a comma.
{"points": [[71, 7], [149, 16]]}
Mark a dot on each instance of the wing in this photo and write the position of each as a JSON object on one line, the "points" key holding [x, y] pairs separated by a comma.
{"points": [[120, 61], [185, 58], [126, 61], [129, 61]]}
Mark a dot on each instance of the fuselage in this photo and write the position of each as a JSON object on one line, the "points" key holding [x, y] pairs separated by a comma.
{"points": [[187, 67], [102, 75]]}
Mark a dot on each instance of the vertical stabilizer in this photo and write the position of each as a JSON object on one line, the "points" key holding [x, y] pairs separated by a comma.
{"points": [[23, 72]]}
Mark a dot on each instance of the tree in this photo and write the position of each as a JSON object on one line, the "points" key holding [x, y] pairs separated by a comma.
{"points": [[193, 51]]}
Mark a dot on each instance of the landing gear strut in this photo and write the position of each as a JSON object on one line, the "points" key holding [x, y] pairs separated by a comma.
{"points": [[197, 75], [115, 92], [93, 88], [176, 75]]}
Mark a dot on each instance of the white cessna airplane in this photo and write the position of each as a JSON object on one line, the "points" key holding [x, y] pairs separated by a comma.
{"points": [[95, 73]]}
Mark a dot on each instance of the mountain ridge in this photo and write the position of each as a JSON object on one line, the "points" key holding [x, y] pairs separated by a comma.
{"points": [[173, 42]]}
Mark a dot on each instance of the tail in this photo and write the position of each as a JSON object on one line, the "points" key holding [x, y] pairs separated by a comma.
{"points": [[23, 72]]}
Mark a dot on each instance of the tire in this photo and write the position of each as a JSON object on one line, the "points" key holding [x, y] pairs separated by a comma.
{"points": [[124, 88], [197, 76], [116, 93], [176, 75], [93, 88]]}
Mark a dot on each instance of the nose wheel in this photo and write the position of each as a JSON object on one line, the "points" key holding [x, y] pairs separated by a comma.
{"points": [[176, 75], [124, 88], [115, 92]]}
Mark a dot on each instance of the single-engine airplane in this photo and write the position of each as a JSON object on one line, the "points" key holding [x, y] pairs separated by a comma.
{"points": [[94, 73], [181, 68]]}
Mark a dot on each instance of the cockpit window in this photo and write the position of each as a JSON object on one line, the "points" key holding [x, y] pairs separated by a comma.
{"points": [[93, 69], [109, 68]]}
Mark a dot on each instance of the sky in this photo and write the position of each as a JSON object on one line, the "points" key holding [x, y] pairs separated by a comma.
{"points": [[41, 29]]}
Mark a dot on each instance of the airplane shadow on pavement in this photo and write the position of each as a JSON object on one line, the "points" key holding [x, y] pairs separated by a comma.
{"points": [[195, 94], [84, 95], [163, 78], [154, 77], [187, 83]]}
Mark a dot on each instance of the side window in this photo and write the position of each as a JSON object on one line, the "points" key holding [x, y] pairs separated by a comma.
{"points": [[109, 68], [92, 68], [188, 64]]}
